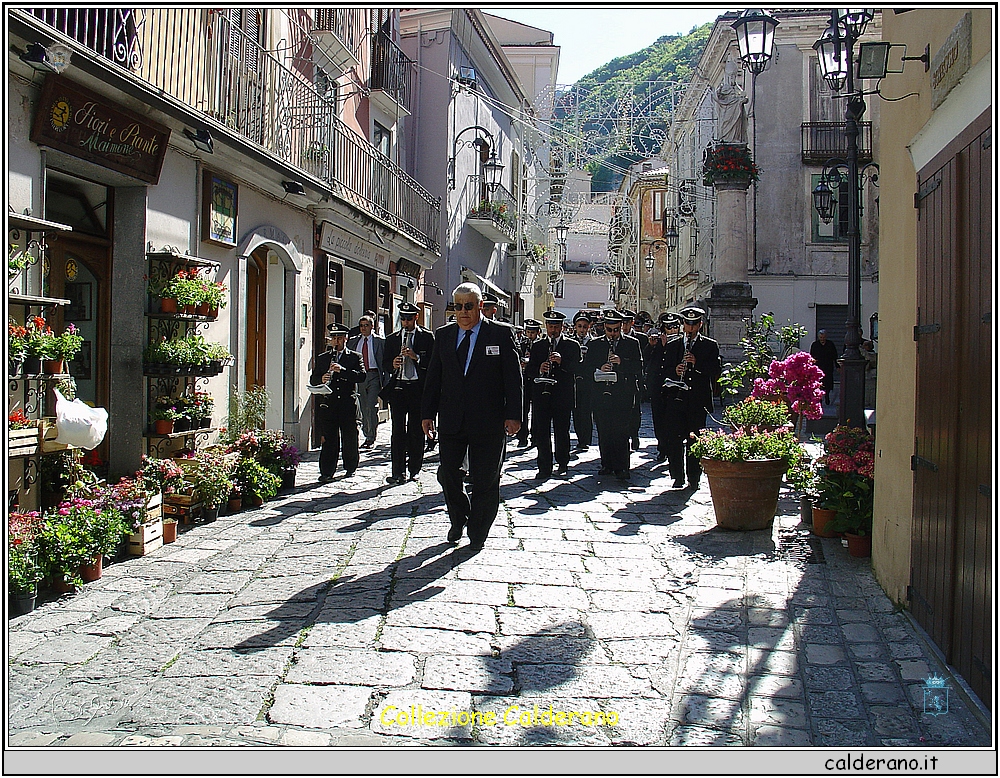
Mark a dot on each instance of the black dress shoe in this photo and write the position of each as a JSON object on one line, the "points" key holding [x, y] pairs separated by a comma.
{"points": [[395, 479], [413, 476], [476, 547], [325, 479], [562, 470], [661, 457], [349, 473], [678, 483], [693, 483], [540, 476], [635, 444], [605, 471], [367, 444], [623, 475], [455, 533]]}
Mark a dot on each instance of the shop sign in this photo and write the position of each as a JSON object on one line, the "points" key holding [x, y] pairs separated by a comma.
{"points": [[87, 125], [341, 243]]}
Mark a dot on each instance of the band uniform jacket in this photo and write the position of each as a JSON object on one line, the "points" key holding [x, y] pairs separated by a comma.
{"points": [[344, 385], [423, 344], [487, 395], [622, 392], [657, 368], [564, 392], [707, 367]]}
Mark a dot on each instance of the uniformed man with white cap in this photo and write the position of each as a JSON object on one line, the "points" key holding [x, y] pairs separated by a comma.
{"points": [[583, 411], [658, 371], [532, 329], [635, 421], [337, 412]]}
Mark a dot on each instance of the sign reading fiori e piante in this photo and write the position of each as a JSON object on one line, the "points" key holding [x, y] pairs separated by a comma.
{"points": [[77, 121]]}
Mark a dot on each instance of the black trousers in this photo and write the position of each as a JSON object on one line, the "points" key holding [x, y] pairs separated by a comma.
{"points": [[550, 415], [613, 434], [485, 456], [636, 413], [683, 417], [522, 435], [338, 424], [661, 409], [407, 442], [583, 414]]}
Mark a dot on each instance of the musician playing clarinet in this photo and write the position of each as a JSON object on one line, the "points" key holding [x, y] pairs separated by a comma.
{"points": [[618, 358], [406, 357], [695, 363]]}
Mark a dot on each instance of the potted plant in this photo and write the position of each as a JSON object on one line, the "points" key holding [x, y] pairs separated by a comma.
{"points": [[186, 288], [67, 345], [22, 434], [728, 162], [796, 381], [745, 465], [17, 346], [169, 529], [847, 486], [107, 530], [40, 343], [68, 541], [758, 353], [214, 478], [213, 297], [254, 482], [163, 420], [203, 406], [24, 569]]}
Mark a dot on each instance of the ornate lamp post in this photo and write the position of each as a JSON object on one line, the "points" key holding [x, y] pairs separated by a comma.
{"points": [[835, 48]]}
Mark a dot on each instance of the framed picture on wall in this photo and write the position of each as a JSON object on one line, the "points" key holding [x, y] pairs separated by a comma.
{"points": [[80, 307], [220, 204]]}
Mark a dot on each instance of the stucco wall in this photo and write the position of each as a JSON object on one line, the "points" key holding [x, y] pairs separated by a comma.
{"points": [[901, 123]]}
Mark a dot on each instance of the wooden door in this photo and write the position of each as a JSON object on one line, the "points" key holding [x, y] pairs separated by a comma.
{"points": [[256, 319], [951, 572]]}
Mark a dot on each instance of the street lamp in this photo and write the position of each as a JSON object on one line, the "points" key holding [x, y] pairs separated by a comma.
{"points": [[835, 49], [485, 144], [755, 35], [562, 232], [493, 171]]}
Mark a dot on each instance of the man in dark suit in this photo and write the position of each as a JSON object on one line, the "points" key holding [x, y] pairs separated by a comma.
{"points": [[337, 412], [407, 355], [532, 329], [613, 354], [474, 391], [658, 370], [583, 411], [628, 331], [552, 370], [693, 360], [371, 348]]}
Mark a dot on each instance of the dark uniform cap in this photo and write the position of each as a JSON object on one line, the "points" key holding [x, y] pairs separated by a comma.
{"points": [[594, 316], [627, 314], [336, 329], [692, 315], [581, 315], [532, 324], [671, 319], [554, 316], [408, 309], [644, 317], [490, 299], [613, 316]]}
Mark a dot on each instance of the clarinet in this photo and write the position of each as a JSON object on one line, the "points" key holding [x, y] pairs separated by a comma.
{"points": [[547, 388], [611, 350], [407, 340], [682, 382]]}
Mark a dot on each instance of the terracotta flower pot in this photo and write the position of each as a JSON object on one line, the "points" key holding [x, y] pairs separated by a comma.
{"points": [[235, 504], [163, 426], [202, 309], [169, 531], [744, 494], [256, 501], [821, 518], [61, 586], [859, 545], [53, 366], [94, 571], [168, 305], [190, 309], [32, 365], [213, 313]]}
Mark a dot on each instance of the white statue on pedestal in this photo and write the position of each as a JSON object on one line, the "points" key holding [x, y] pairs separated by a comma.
{"points": [[731, 100]]}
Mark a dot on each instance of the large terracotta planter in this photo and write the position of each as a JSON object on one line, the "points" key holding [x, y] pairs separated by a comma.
{"points": [[93, 571], [744, 494], [821, 518], [169, 531], [859, 545]]}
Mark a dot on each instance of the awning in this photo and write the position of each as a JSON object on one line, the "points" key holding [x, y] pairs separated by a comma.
{"points": [[485, 284]]}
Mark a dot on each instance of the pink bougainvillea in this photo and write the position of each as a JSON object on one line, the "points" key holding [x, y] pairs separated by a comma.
{"points": [[850, 450], [798, 381]]}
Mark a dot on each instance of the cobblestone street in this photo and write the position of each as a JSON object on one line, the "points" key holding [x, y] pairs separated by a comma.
{"points": [[334, 614]]}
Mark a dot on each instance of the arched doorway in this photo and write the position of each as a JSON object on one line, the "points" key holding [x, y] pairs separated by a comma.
{"points": [[255, 364]]}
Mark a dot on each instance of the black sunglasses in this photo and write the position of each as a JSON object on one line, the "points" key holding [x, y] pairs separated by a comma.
{"points": [[466, 306]]}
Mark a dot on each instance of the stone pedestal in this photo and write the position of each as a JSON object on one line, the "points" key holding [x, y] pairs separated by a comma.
{"points": [[729, 304], [733, 242]]}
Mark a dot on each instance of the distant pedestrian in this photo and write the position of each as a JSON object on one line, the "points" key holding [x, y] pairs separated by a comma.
{"points": [[825, 353], [474, 393], [337, 412], [371, 348], [407, 356]]}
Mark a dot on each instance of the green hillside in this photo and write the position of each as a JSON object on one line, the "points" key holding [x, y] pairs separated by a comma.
{"points": [[593, 128]]}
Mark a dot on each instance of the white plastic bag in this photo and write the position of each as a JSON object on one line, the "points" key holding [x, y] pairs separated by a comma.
{"points": [[77, 424]]}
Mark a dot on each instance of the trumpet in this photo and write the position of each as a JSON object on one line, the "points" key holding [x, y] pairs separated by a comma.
{"points": [[407, 342]]}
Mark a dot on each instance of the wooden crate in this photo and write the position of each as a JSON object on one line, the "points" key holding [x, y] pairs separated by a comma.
{"points": [[186, 512], [23, 443], [148, 538], [48, 437]]}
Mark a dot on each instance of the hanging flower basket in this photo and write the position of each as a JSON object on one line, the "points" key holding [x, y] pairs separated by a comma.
{"points": [[728, 162]]}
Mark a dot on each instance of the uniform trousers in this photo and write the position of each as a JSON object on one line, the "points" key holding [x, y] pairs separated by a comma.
{"points": [[661, 408], [583, 415], [407, 442], [683, 416], [485, 452], [338, 424], [613, 434], [522, 435], [368, 401], [550, 416]]}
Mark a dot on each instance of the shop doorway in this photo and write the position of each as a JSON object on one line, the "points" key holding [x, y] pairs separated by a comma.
{"points": [[256, 356], [265, 349]]}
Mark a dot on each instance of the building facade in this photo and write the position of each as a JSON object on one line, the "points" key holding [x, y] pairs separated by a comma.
{"points": [[256, 145], [934, 512]]}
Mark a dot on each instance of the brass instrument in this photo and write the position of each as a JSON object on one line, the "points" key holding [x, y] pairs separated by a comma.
{"points": [[406, 343]]}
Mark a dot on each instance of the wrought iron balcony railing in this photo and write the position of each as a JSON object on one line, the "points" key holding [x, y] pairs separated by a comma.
{"points": [[494, 211], [346, 25], [392, 70], [201, 58], [824, 140]]}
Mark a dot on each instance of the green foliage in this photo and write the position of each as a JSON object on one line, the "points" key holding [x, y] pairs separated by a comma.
{"points": [[76, 532], [247, 411], [761, 345], [24, 569], [756, 413], [852, 496], [213, 477], [194, 350], [251, 479], [741, 446]]}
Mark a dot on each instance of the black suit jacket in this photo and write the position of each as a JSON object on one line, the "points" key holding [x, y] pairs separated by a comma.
{"points": [[623, 390], [564, 373], [707, 368], [345, 383], [481, 400], [423, 344]]}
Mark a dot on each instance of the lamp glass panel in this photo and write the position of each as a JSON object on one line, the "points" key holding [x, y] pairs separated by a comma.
{"points": [[832, 50]]}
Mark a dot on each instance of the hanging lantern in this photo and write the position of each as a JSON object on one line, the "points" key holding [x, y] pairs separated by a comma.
{"points": [[824, 201], [855, 20], [755, 35], [493, 170], [832, 49]]}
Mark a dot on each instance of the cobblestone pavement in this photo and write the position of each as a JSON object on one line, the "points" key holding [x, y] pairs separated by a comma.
{"points": [[334, 614]]}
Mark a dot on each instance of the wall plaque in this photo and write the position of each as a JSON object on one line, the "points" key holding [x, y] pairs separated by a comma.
{"points": [[342, 244], [952, 61], [77, 121], [220, 200]]}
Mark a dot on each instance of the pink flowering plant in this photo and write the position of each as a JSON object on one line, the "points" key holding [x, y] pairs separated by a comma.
{"points": [[76, 532], [24, 567], [797, 381], [846, 479]]}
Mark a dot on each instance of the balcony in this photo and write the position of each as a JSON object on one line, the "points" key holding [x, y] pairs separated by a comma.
{"points": [[392, 73], [822, 141], [339, 34], [493, 216], [198, 57]]}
